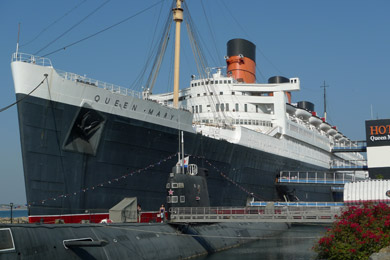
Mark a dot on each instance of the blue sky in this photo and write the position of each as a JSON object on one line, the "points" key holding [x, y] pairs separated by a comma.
{"points": [[346, 43]]}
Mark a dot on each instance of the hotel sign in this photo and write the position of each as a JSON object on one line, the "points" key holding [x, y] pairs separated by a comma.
{"points": [[378, 132]]}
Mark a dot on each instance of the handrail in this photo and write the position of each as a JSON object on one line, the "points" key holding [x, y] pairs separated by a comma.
{"points": [[255, 214], [28, 58], [42, 61], [314, 177], [100, 84], [349, 145]]}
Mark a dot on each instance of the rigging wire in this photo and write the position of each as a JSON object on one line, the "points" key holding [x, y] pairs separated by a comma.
{"points": [[211, 31], [159, 58], [74, 26], [137, 83], [257, 49], [19, 100], [105, 29], [50, 25]]}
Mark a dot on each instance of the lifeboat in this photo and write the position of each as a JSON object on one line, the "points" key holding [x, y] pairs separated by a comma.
{"points": [[324, 126], [338, 135], [332, 131], [343, 139], [302, 114], [290, 109], [314, 120]]}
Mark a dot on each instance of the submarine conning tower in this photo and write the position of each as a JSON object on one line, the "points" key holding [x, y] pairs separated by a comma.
{"points": [[241, 60]]}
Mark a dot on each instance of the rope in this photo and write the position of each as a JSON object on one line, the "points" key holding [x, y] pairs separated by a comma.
{"points": [[17, 101]]}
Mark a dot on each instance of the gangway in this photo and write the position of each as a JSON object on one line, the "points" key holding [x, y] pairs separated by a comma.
{"points": [[269, 213], [350, 147], [317, 177]]}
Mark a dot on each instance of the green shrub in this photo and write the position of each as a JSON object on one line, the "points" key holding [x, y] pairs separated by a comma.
{"points": [[358, 232]]}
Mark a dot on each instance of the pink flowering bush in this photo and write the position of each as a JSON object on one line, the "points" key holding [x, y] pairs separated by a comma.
{"points": [[358, 232]]}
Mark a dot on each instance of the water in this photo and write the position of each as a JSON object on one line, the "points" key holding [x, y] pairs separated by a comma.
{"points": [[15, 213], [294, 244]]}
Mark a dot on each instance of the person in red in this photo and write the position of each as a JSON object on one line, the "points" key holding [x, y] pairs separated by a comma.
{"points": [[162, 213]]}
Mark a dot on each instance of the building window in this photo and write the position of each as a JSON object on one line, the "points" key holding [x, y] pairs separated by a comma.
{"points": [[204, 94], [193, 109], [233, 93], [212, 82], [257, 108], [227, 106], [225, 81], [237, 107], [182, 199], [246, 107], [175, 199], [211, 93], [198, 95], [222, 107], [216, 82], [217, 107], [221, 93], [200, 108], [196, 108]]}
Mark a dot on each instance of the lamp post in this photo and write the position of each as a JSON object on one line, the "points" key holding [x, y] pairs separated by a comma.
{"points": [[11, 205]]}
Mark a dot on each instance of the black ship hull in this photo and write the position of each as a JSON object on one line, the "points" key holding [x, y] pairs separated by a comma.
{"points": [[77, 160]]}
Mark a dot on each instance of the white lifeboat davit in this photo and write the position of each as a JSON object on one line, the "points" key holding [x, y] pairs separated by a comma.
{"points": [[302, 114]]}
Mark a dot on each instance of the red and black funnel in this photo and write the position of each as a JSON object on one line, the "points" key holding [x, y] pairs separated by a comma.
{"points": [[241, 60]]}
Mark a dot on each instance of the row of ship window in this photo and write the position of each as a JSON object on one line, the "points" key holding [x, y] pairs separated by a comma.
{"points": [[211, 94], [207, 82], [220, 107], [242, 122]]}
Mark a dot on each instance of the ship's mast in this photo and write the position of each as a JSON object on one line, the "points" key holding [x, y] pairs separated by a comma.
{"points": [[178, 18], [17, 42], [324, 86]]}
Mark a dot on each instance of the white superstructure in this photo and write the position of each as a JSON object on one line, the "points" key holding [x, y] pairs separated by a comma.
{"points": [[259, 116]]}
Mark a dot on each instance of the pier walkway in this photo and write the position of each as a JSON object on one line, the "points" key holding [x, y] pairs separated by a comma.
{"points": [[269, 213]]}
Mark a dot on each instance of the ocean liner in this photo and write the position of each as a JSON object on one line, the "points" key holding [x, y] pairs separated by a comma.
{"points": [[87, 144]]}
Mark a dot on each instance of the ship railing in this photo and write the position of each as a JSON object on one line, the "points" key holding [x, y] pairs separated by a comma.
{"points": [[100, 84], [342, 145], [345, 164], [269, 213], [29, 58], [298, 204], [315, 177]]}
